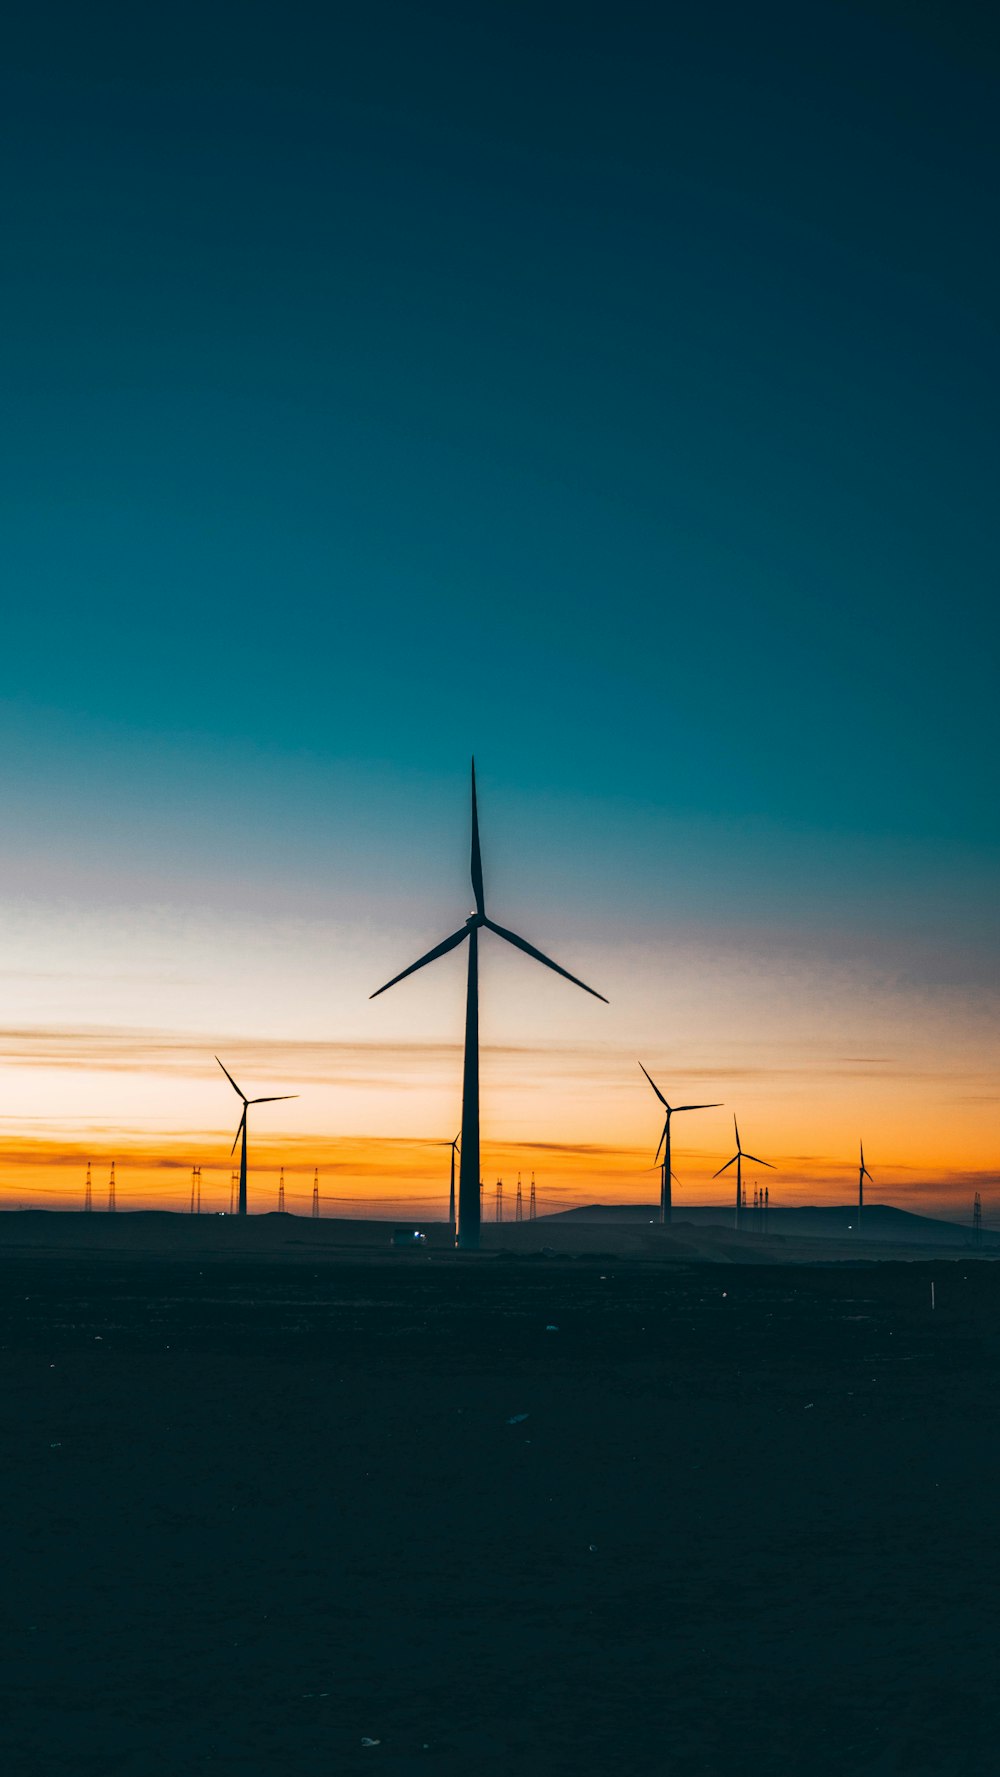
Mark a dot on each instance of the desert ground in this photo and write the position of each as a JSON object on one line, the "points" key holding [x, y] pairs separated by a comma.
{"points": [[274, 1503]]}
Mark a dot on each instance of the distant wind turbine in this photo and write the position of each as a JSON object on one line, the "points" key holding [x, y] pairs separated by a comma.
{"points": [[468, 1176], [451, 1194], [665, 1174], [737, 1161], [242, 1130], [863, 1173]]}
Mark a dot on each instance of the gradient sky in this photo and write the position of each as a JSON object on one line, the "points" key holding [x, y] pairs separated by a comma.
{"points": [[611, 392]]}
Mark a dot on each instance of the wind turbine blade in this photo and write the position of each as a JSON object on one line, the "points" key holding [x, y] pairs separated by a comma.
{"points": [[279, 1099], [232, 1082], [656, 1089], [736, 1126], [663, 1138], [432, 955], [725, 1168], [758, 1161], [239, 1131], [695, 1107], [477, 861], [540, 957]]}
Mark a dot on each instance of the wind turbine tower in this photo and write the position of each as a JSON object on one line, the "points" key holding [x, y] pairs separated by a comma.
{"points": [[112, 1197], [737, 1161], [315, 1201], [863, 1173], [88, 1200], [666, 1174], [278, 1098], [468, 1182]]}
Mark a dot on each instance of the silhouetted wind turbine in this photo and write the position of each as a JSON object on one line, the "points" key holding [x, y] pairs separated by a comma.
{"points": [[242, 1131], [451, 1194], [863, 1173], [468, 1174], [666, 1175], [737, 1161]]}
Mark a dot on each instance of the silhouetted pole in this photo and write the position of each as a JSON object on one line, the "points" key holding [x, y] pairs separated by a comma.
{"points": [[468, 1170], [243, 1167], [194, 1175], [739, 1186], [767, 1202], [88, 1201], [315, 1201], [499, 1200], [666, 1203], [531, 1200], [281, 1192], [112, 1197], [232, 1190], [197, 1210], [518, 1211]]}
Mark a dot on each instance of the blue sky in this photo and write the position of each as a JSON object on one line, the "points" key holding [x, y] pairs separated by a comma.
{"points": [[610, 393]]}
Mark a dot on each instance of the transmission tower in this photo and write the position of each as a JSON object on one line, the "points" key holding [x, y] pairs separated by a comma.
{"points": [[281, 1192], [315, 1203], [744, 1196], [499, 1200], [233, 1177], [88, 1201], [977, 1220], [531, 1200], [518, 1211], [767, 1199], [112, 1204]]}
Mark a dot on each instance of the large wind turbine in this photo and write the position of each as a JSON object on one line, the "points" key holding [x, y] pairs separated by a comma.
{"points": [[242, 1130], [737, 1161], [863, 1173], [468, 1175], [666, 1175]]}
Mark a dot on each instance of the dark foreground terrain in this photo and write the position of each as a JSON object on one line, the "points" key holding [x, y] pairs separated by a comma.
{"points": [[523, 1515]]}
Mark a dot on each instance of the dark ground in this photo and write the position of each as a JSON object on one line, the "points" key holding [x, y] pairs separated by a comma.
{"points": [[256, 1510]]}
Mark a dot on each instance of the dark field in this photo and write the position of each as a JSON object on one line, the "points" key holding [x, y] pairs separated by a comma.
{"points": [[257, 1509]]}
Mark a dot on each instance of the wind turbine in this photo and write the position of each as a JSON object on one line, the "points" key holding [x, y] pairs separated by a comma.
{"points": [[666, 1174], [468, 1176], [863, 1173], [451, 1194], [737, 1161], [242, 1130]]}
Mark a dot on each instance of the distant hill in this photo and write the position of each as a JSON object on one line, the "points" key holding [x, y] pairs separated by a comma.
{"points": [[882, 1222]]}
